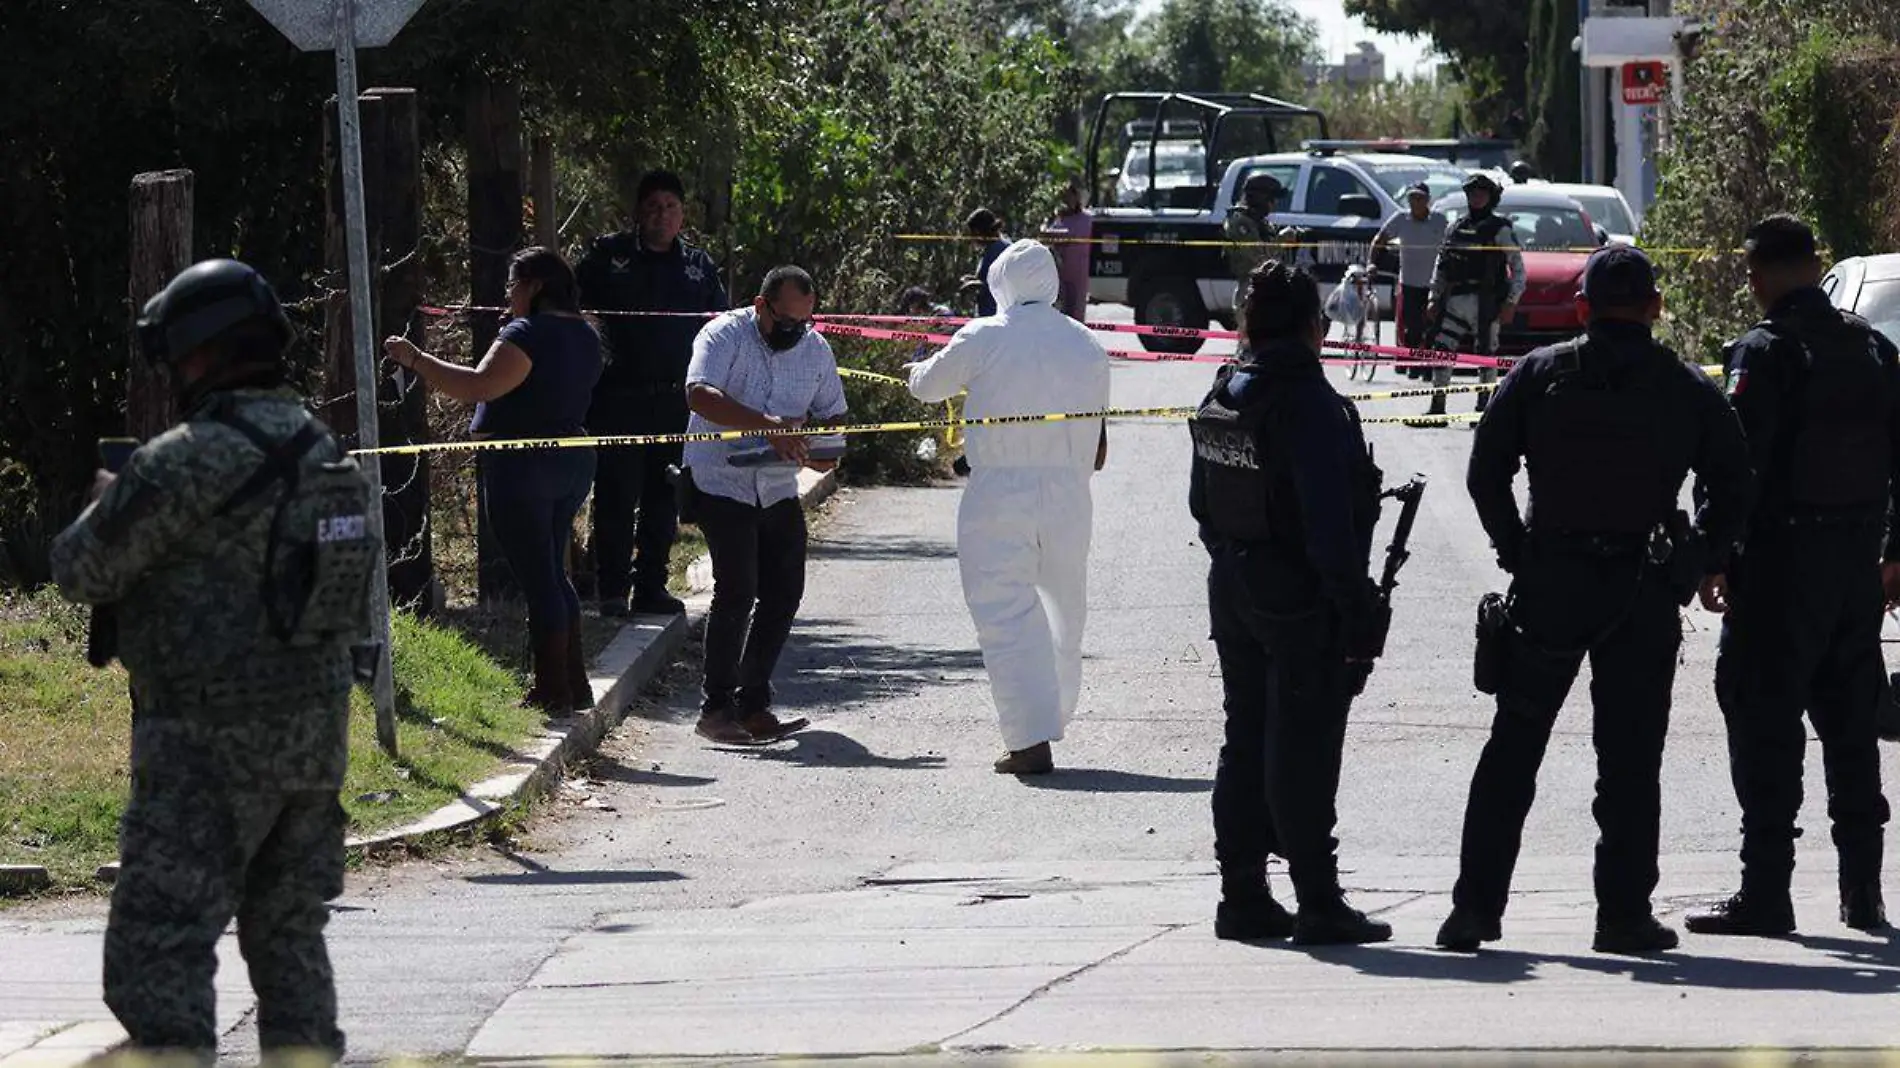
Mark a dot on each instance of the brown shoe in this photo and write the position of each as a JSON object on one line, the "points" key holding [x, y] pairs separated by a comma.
{"points": [[1035, 760], [766, 727], [720, 727]]}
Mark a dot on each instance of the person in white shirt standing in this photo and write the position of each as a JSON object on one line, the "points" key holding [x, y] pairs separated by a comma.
{"points": [[1023, 529], [757, 368]]}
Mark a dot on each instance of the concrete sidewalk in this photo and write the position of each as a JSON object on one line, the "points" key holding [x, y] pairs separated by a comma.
{"points": [[1120, 956]]}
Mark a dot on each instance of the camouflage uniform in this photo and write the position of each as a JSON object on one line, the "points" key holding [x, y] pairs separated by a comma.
{"points": [[239, 741]]}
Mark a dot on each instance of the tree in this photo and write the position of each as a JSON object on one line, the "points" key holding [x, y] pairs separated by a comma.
{"points": [[1233, 46], [1488, 44], [1554, 140]]}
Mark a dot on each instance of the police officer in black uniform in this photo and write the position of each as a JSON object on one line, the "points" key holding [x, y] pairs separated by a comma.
{"points": [[1286, 495], [1818, 391], [1609, 424], [642, 390]]}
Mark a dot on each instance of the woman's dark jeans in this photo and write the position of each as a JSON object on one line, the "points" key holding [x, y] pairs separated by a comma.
{"points": [[532, 497]]}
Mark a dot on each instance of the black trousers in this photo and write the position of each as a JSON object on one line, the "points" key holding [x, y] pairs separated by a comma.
{"points": [[1412, 301], [758, 561], [1803, 635], [636, 513], [532, 497], [1286, 695], [1619, 611]]}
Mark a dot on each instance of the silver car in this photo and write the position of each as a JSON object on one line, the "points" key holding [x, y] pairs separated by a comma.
{"points": [[1868, 286]]}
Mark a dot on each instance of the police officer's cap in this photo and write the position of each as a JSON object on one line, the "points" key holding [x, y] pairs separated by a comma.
{"points": [[1263, 183], [1419, 189], [1481, 180], [1619, 276], [1781, 239], [205, 301]]}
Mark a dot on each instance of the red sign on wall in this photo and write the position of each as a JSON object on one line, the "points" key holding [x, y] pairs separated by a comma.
{"points": [[1644, 83]]}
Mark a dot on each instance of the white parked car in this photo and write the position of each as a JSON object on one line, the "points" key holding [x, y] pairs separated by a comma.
{"points": [[1177, 164], [1605, 205], [1868, 286]]}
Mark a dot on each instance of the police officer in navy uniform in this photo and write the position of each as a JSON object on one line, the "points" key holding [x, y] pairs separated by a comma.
{"points": [[1609, 425], [1286, 495], [643, 389], [1818, 391]]}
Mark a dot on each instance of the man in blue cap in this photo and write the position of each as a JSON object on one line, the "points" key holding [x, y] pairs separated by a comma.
{"points": [[1609, 424]]}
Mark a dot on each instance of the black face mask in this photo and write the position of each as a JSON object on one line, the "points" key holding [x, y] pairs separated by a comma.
{"points": [[786, 333]]}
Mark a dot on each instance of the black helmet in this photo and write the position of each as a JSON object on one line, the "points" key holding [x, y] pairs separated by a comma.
{"points": [[1262, 182], [1481, 180], [1522, 172], [205, 301]]}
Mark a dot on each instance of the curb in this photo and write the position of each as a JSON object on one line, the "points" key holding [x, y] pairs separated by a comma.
{"points": [[636, 656], [23, 879]]}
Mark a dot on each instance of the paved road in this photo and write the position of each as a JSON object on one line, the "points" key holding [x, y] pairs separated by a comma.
{"points": [[872, 887]]}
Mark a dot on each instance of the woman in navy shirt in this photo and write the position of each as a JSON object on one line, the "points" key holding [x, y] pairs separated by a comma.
{"points": [[536, 382]]}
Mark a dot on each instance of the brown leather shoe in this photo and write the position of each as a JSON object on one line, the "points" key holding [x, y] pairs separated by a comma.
{"points": [[720, 727], [1035, 760], [766, 727]]}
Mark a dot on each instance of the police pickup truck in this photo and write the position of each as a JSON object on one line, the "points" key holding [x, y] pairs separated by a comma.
{"points": [[1168, 262]]}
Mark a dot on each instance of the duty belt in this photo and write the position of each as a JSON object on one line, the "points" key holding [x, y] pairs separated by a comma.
{"points": [[1856, 517], [1594, 543]]}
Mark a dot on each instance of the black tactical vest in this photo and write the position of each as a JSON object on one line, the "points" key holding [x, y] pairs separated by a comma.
{"points": [[1835, 449], [1229, 490], [1596, 446], [1473, 263], [1238, 490]]}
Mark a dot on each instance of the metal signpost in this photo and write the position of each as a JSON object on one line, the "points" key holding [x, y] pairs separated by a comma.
{"points": [[344, 26]]}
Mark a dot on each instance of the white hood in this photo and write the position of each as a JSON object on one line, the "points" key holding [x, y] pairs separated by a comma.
{"points": [[1025, 273]]}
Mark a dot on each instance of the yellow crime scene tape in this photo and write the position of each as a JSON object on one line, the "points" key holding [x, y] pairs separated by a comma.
{"points": [[1208, 242], [952, 436], [613, 440]]}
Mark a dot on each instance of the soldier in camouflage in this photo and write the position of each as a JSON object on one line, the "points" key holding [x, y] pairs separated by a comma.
{"points": [[1253, 239], [237, 552]]}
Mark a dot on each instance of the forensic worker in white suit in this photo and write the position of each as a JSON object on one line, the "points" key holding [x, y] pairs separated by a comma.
{"points": [[1023, 530]]}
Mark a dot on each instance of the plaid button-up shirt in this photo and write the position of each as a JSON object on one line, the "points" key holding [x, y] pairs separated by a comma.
{"points": [[802, 382]]}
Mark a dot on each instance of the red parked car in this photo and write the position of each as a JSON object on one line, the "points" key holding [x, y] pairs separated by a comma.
{"points": [[1558, 237]]}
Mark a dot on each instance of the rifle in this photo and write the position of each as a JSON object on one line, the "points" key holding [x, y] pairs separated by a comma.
{"points": [[102, 630], [1396, 555]]}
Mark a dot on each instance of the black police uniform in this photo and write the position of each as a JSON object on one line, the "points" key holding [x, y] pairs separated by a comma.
{"points": [[1286, 494], [642, 390], [1818, 392], [1609, 425]]}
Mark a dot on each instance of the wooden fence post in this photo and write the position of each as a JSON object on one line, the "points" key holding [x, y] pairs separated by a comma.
{"points": [[161, 247], [494, 235], [547, 221], [396, 204]]}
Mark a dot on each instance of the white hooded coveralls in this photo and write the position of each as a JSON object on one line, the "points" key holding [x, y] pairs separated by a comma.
{"points": [[1023, 528]]}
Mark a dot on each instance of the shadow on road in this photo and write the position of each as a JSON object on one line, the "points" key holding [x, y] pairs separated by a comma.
{"points": [[829, 749], [551, 877], [882, 549], [1111, 781], [614, 771], [1859, 973], [827, 665]]}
